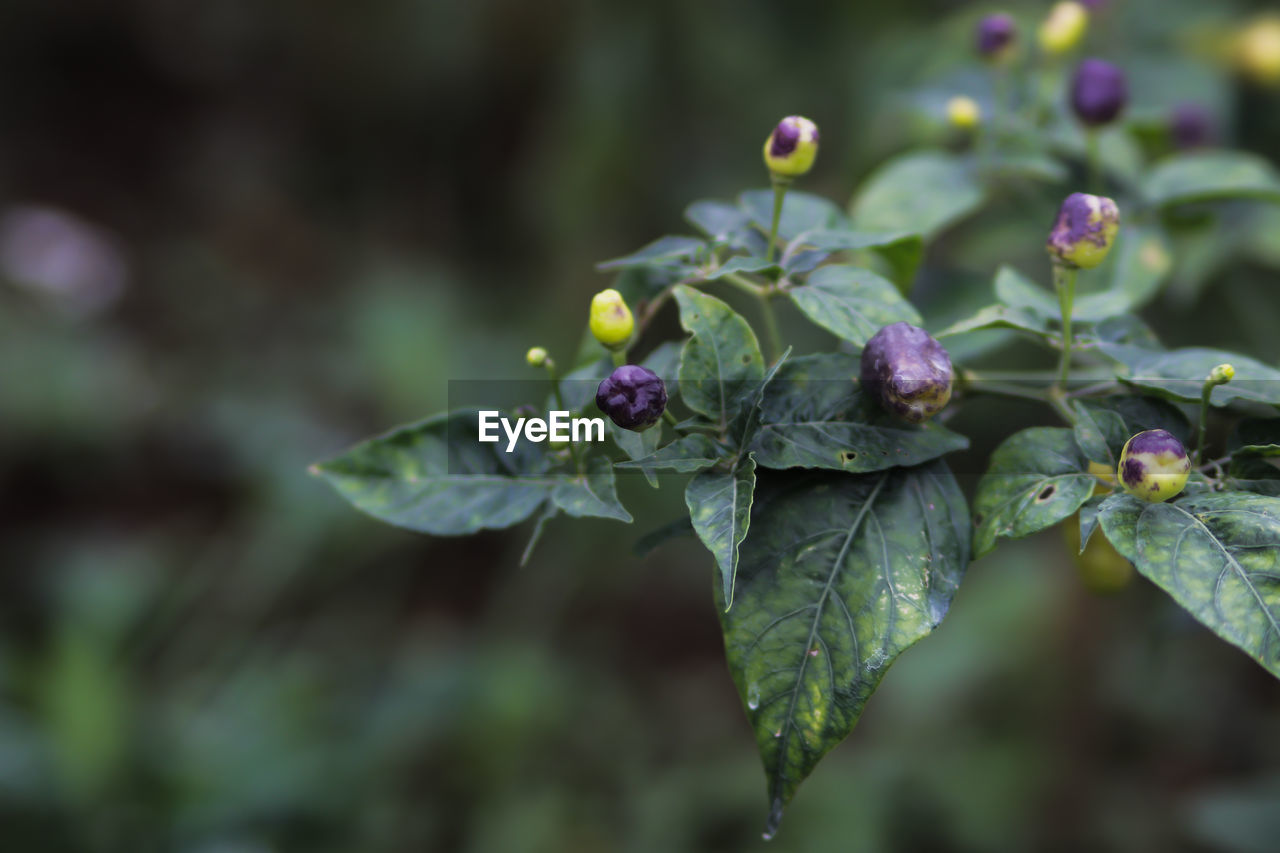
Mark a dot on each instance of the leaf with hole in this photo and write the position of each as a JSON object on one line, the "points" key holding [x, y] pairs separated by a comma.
{"points": [[1036, 478]]}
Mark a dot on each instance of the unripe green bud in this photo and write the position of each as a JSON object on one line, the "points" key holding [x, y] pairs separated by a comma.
{"points": [[536, 357], [611, 321], [1222, 374], [1153, 466], [1064, 28], [963, 112], [1084, 232], [792, 147]]}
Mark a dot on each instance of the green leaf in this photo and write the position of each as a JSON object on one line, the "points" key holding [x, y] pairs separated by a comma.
{"points": [[1135, 415], [801, 212], [814, 415], [592, 494], [921, 193], [673, 529], [835, 241], [1017, 291], [1217, 554], [1096, 431], [1000, 317], [436, 477], [686, 454], [1037, 478], [1254, 446], [852, 303], [638, 445], [664, 250], [740, 264], [720, 509], [1211, 176], [719, 220], [1088, 521], [1144, 261], [840, 575], [1180, 374], [721, 358]]}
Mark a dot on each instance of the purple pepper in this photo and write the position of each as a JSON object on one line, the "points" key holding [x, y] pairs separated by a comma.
{"points": [[1099, 92], [995, 35], [1191, 126], [633, 397], [907, 372]]}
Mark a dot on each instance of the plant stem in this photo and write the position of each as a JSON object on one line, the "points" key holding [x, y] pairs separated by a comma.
{"points": [[1204, 421], [743, 283], [780, 187], [1064, 281], [1093, 161], [619, 357], [772, 335], [1005, 389], [574, 450], [670, 418]]}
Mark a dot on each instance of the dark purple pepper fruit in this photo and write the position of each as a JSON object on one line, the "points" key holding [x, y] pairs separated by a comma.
{"points": [[995, 33], [1099, 92], [907, 372], [633, 397], [1191, 126]]}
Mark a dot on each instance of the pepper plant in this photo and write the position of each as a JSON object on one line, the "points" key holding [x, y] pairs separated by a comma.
{"points": [[820, 482]]}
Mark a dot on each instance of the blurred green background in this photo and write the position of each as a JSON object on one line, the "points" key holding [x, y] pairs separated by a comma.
{"points": [[237, 235]]}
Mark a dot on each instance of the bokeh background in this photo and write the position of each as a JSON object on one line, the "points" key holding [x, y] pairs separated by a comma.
{"points": [[238, 235]]}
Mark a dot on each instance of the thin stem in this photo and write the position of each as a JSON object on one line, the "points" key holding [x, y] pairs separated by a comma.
{"points": [[1058, 401], [1064, 281], [619, 357], [574, 450], [1006, 389], [780, 187], [1096, 388], [651, 310], [670, 418], [1204, 421], [1093, 160], [744, 284], [772, 336], [1214, 463]]}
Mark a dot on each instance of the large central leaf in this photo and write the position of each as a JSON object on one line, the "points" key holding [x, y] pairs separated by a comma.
{"points": [[1217, 554], [840, 575]]}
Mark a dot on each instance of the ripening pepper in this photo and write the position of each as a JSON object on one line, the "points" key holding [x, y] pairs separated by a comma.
{"points": [[1153, 465], [1084, 231], [907, 372], [792, 147]]}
